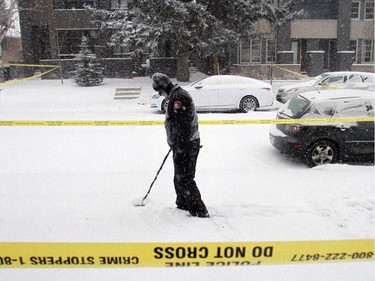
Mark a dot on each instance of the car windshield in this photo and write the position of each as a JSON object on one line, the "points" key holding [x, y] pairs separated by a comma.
{"points": [[294, 107], [319, 78], [197, 81]]}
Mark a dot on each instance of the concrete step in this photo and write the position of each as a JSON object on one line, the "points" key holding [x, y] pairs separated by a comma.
{"points": [[127, 93]]}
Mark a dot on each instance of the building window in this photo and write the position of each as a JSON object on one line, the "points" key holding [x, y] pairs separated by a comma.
{"points": [[250, 51], [255, 50], [354, 47], [245, 51], [91, 3], [70, 40], [121, 51], [355, 10], [271, 51], [74, 4], [119, 4], [368, 51], [369, 10]]}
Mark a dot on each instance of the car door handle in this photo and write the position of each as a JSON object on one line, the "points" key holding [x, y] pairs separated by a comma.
{"points": [[198, 87], [343, 129]]}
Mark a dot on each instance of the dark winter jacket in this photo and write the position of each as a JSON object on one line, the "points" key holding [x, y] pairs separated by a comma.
{"points": [[181, 120]]}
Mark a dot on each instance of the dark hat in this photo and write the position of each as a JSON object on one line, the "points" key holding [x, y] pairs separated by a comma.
{"points": [[160, 81]]}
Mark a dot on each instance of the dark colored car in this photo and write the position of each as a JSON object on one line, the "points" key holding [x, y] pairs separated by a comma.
{"points": [[329, 142]]}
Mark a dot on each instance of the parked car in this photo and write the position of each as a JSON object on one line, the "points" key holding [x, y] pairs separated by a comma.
{"points": [[328, 142], [328, 80], [361, 81], [224, 93]]}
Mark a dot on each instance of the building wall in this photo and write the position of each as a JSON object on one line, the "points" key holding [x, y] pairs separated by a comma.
{"points": [[314, 29], [361, 29], [320, 9], [11, 50], [40, 23], [326, 25]]}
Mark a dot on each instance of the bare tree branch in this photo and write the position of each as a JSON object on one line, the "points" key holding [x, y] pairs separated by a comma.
{"points": [[7, 12]]}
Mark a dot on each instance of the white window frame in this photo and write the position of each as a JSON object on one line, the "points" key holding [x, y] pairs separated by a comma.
{"points": [[255, 51], [121, 51], [66, 4], [119, 4], [357, 12], [251, 51], [271, 53], [368, 51], [245, 51], [367, 9], [354, 47]]}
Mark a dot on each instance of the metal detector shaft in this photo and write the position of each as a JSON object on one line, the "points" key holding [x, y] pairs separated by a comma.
{"points": [[157, 173]]}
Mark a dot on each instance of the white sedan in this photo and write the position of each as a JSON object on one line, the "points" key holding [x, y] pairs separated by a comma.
{"points": [[224, 93]]}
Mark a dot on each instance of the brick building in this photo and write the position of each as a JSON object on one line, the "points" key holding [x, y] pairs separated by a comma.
{"points": [[328, 33], [328, 29]]}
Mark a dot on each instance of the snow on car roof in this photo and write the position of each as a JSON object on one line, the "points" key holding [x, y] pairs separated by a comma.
{"points": [[337, 94], [348, 72]]}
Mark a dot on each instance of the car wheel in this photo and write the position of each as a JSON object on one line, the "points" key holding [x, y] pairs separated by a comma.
{"points": [[322, 152], [248, 103], [164, 106]]}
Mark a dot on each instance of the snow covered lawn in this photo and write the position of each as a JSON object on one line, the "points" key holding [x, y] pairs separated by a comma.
{"points": [[79, 184]]}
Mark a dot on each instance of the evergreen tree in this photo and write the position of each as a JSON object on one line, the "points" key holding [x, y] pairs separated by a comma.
{"points": [[204, 27], [88, 71]]}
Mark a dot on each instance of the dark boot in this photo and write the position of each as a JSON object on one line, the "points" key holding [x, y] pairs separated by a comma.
{"points": [[198, 209]]}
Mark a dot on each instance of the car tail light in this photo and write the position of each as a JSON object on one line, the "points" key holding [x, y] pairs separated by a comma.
{"points": [[297, 146], [293, 128]]}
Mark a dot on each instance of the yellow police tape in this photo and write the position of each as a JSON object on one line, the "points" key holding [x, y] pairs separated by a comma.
{"points": [[96, 255], [12, 82], [161, 122], [34, 65], [293, 72], [304, 76]]}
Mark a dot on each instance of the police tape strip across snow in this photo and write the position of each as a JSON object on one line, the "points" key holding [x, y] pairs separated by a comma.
{"points": [[210, 254], [12, 82], [161, 122]]}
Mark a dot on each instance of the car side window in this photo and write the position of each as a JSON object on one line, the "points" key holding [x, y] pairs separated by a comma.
{"points": [[369, 108], [368, 79], [355, 108], [353, 78], [333, 79], [321, 110]]}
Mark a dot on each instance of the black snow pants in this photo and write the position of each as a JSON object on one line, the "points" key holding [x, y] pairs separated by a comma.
{"points": [[188, 195]]}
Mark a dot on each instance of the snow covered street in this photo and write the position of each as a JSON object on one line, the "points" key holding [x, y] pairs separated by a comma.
{"points": [[80, 183]]}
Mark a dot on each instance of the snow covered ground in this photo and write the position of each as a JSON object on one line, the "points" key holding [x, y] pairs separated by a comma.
{"points": [[79, 184]]}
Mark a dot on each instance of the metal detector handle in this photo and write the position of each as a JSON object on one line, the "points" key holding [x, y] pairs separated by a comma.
{"points": [[157, 173], [162, 164]]}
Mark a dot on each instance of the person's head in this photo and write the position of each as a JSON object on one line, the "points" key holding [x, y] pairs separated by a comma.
{"points": [[160, 83]]}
